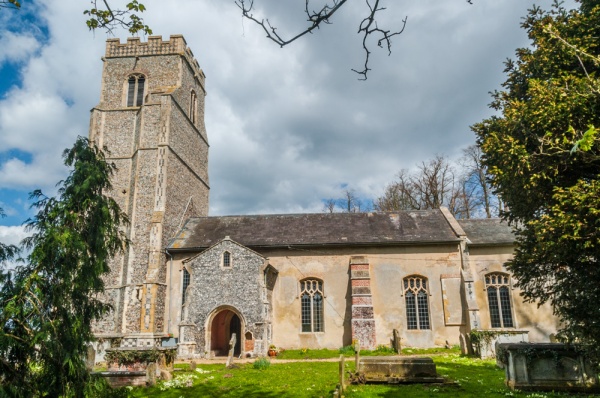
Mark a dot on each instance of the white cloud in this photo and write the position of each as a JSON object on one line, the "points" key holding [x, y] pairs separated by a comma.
{"points": [[288, 127], [17, 47], [12, 235]]}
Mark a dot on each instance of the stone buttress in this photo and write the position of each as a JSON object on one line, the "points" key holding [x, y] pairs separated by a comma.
{"points": [[363, 316]]}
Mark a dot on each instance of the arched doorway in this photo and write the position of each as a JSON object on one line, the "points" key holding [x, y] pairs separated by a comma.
{"points": [[223, 325]]}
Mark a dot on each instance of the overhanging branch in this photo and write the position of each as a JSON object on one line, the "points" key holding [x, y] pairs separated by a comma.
{"points": [[367, 27]]}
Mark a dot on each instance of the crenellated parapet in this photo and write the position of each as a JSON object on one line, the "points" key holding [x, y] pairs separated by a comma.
{"points": [[134, 47]]}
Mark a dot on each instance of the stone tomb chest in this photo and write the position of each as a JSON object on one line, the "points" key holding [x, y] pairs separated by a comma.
{"points": [[396, 369], [547, 367]]}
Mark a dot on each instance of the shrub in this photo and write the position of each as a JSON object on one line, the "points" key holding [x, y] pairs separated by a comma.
{"points": [[347, 350], [261, 363]]}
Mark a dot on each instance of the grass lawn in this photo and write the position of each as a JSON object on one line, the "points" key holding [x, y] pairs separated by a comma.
{"points": [[473, 377]]}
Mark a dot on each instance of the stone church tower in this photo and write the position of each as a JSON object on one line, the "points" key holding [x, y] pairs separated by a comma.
{"points": [[151, 120]]}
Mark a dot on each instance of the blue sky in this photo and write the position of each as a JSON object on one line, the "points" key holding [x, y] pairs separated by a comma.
{"points": [[287, 127]]}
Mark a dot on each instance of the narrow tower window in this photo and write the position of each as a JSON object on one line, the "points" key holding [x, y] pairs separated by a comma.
{"points": [[135, 90], [498, 292], [185, 284], [311, 301], [193, 107], [417, 305]]}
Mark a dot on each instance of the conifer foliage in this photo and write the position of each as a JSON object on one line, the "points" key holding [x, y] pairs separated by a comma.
{"points": [[50, 300], [543, 155]]}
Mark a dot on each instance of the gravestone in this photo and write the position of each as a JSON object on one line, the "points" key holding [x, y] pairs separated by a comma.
{"points": [[151, 374], [231, 349], [90, 358], [165, 375], [396, 341]]}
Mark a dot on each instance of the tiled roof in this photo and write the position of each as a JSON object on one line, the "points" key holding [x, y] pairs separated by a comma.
{"points": [[487, 231], [425, 226]]}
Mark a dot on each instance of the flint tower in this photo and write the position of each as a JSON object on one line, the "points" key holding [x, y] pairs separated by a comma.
{"points": [[151, 120]]}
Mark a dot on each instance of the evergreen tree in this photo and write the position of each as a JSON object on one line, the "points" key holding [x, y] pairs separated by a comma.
{"points": [[49, 302], [543, 155]]}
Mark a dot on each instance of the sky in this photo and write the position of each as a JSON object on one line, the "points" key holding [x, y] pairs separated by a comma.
{"points": [[288, 127]]}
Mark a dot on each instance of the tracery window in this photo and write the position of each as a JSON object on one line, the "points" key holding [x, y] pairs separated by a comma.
{"points": [[226, 259], [417, 303], [498, 292], [135, 90], [311, 299]]}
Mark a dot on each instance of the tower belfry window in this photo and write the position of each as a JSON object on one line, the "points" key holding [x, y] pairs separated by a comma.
{"points": [[193, 107], [135, 90]]}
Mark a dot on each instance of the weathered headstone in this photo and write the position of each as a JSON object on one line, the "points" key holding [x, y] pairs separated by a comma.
{"points": [[151, 374], [231, 349], [396, 341], [193, 365], [90, 358], [165, 375]]}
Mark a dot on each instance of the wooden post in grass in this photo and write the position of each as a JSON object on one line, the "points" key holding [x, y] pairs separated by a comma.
{"points": [[342, 367], [356, 356]]}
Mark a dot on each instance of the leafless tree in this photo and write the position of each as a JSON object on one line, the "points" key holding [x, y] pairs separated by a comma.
{"points": [[323, 14], [349, 202], [329, 206], [462, 188], [475, 175], [399, 195], [434, 183]]}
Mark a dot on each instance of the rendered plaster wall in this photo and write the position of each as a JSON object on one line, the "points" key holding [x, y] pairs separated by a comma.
{"points": [[214, 287], [388, 266], [539, 321]]}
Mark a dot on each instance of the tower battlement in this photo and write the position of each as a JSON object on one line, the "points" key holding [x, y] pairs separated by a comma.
{"points": [[134, 47]]}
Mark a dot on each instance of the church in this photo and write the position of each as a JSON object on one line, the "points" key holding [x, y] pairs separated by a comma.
{"points": [[326, 280]]}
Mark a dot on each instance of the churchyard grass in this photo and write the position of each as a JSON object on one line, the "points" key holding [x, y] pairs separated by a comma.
{"points": [[471, 377], [348, 352]]}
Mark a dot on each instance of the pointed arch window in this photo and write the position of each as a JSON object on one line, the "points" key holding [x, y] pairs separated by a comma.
{"points": [[193, 107], [135, 90], [498, 293], [311, 302], [417, 302]]}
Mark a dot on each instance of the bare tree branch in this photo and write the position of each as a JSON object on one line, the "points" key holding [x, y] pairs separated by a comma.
{"points": [[367, 27]]}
